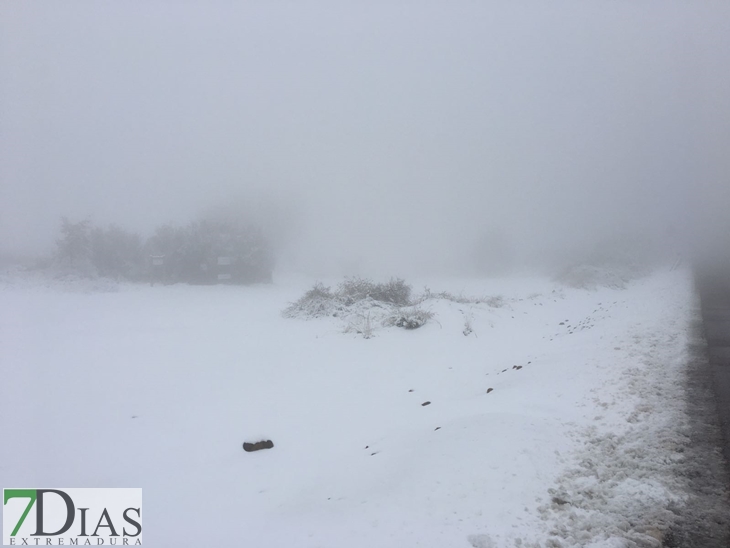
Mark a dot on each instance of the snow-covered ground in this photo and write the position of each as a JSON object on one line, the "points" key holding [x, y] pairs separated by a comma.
{"points": [[557, 421]]}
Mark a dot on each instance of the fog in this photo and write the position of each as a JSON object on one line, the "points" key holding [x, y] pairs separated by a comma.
{"points": [[384, 138]]}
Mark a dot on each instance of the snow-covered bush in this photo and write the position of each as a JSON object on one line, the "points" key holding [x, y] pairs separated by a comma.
{"points": [[352, 295], [395, 291], [592, 277], [362, 305], [409, 318], [611, 263], [317, 302], [495, 301], [361, 324]]}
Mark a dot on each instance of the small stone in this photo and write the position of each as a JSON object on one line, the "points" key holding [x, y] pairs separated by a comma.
{"points": [[424, 404], [265, 444], [489, 390], [437, 428]]}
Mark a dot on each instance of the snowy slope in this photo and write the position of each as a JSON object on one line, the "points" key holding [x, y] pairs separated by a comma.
{"points": [[576, 444]]}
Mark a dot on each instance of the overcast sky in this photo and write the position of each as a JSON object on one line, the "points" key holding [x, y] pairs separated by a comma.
{"points": [[388, 136]]}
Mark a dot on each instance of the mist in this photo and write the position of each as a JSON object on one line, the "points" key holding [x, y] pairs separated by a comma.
{"points": [[380, 139]]}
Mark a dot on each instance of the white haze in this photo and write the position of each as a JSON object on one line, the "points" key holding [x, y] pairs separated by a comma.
{"points": [[371, 137]]}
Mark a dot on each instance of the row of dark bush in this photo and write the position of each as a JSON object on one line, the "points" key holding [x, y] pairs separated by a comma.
{"points": [[199, 252]]}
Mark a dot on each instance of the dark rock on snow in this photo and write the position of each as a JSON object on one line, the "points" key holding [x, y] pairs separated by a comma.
{"points": [[249, 447]]}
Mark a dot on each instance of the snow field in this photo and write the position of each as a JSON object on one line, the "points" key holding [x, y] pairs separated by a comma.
{"points": [[576, 443]]}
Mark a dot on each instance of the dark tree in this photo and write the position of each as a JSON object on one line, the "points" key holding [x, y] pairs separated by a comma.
{"points": [[116, 252], [74, 245]]}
